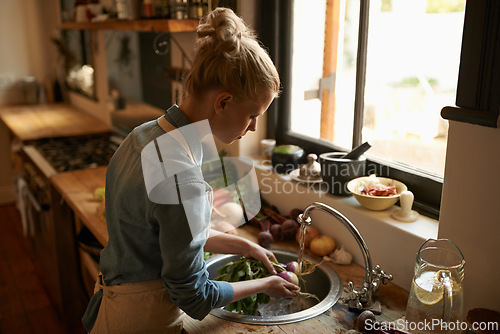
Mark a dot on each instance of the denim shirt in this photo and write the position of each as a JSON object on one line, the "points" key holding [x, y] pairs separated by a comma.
{"points": [[148, 240]]}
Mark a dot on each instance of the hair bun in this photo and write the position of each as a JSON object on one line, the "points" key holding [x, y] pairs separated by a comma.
{"points": [[225, 29], [228, 56]]}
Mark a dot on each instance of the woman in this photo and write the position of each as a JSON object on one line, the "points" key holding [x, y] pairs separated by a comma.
{"points": [[152, 267]]}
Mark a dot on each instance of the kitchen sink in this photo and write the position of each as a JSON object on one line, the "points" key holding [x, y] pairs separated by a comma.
{"points": [[323, 282]]}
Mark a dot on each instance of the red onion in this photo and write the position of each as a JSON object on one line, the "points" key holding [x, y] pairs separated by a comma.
{"points": [[290, 277], [293, 267]]}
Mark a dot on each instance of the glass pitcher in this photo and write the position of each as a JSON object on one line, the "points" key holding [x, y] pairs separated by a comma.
{"points": [[435, 304]]}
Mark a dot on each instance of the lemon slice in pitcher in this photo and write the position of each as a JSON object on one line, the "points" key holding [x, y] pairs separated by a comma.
{"points": [[428, 289]]}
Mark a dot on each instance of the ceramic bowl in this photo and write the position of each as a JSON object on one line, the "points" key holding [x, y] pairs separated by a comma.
{"points": [[285, 158], [377, 203]]}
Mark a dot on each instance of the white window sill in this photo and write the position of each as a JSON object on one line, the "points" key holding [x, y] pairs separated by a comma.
{"points": [[392, 243]]}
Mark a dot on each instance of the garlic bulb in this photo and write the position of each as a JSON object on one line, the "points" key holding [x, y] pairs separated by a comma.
{"points": [[341, 256]]}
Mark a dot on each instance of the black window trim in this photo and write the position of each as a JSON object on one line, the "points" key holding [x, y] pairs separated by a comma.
{"points": [[478, 98]]}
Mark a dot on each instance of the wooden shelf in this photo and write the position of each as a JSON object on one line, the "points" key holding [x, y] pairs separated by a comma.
{"points": [[136, 25]]}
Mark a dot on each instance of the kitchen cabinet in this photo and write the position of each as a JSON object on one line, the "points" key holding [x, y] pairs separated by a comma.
{"points": [[77, 190], [47, 220]]}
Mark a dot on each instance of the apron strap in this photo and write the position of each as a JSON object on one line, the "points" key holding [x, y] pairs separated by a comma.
{"points": [[177, 135], [130, 287]]}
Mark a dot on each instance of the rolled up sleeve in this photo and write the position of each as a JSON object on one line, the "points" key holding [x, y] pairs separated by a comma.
{"points": [[184, 268]]}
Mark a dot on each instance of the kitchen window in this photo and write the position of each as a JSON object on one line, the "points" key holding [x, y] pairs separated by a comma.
{"points": [[376, 71]]}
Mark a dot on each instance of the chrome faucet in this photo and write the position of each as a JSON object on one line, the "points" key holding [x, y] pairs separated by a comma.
{"points": [[374, 277]]}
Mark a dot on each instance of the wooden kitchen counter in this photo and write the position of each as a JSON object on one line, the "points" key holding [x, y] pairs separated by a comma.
{"points": [[77, 189], [30, 122]]}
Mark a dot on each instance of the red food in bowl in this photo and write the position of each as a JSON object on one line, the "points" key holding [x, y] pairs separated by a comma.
{"points": [[380, 190]]}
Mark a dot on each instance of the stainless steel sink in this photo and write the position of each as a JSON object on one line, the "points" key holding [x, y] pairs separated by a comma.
{"points": [[323, 282]]}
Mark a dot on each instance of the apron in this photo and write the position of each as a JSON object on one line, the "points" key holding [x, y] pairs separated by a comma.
{"points": [[143, 307], [137, 308]]}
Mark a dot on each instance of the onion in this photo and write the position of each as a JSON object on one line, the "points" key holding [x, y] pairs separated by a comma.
{"points": [[322, 245], [290, 277], [293, 267], [311, 233], [365, 318]]}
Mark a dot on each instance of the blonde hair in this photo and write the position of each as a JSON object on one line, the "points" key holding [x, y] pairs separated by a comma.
{"points": [[228, 56]]}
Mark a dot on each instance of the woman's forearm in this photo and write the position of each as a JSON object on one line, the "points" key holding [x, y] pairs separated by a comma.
{"points": [[244, 289], [225, 243]]}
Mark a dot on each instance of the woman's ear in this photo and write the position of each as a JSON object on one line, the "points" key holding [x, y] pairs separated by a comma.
{"points": [[221, 101]]}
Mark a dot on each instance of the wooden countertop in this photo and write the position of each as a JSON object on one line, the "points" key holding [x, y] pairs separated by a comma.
{"points": [[30, 122], [77, 188]]}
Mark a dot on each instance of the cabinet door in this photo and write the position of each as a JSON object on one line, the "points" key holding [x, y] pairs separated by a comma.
{"points": [[44, 247], [73, 297]]}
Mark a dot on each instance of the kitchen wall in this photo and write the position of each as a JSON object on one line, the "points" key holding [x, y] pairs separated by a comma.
{"points": [[25, 30], [26, 27], [470, 208]]}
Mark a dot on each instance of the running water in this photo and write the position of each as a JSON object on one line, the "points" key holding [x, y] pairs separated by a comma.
{"points": [[300, 260], [285, 306], [302, 241]]}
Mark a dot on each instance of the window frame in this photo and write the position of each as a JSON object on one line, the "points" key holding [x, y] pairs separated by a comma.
{"points": [[426, 187], [478, 101]]}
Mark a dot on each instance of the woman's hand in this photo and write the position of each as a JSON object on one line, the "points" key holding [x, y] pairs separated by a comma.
{"points": [[278, 287], [257, 252], [273, 286], [224, 243]]}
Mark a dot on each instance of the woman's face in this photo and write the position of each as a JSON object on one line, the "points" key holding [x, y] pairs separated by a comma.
{"points": [[240, 116]]}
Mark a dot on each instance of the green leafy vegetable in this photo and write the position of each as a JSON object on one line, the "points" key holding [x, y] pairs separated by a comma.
{"points": [[244, 270], [247, 269]]}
